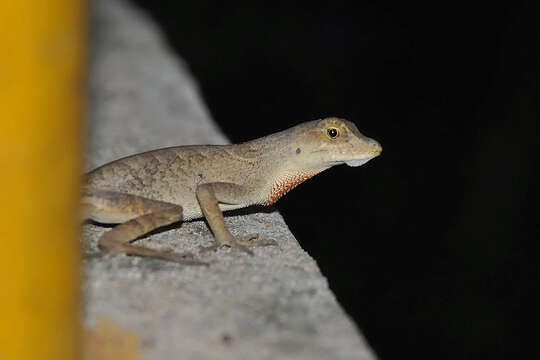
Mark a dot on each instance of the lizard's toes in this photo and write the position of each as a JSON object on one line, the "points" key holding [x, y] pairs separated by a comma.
{"points": [[243, 248], [181, 258], [184, 255], [242, 243], [234, 245], [206, 249], [267, 242], [247, 240]]}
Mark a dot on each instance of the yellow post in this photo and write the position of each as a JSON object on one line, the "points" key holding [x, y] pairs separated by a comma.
{"points": [[41, 93]]}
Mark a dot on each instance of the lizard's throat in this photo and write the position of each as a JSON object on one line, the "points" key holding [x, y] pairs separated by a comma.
{"points": [[286, 183]]}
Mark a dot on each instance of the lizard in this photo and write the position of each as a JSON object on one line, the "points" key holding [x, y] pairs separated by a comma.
{"points": [[150, 190]]}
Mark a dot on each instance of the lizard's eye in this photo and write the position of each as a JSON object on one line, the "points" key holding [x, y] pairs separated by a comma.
{"points": [[332, 133]]}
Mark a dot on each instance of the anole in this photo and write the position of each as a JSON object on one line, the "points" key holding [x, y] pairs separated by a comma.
{"points": [[146, 191]]}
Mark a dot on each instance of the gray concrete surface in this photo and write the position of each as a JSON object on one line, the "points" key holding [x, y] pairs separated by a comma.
{"points": [[274, 305]]}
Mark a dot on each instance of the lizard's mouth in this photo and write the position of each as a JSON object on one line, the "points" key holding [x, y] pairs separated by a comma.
{"points": [[359, 162]]}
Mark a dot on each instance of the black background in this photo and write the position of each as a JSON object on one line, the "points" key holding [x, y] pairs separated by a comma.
{"points": [[431, 247]]}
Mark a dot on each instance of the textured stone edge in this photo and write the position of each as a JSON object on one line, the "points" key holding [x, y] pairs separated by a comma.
{"points": [[275, 304]]}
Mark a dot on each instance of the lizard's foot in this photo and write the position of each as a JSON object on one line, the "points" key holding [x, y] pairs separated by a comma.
{"points": [[242, 243], [186, 258], [167, 255]]}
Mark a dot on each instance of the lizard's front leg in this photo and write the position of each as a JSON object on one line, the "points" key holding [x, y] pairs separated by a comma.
{"points": [[209, 195]]}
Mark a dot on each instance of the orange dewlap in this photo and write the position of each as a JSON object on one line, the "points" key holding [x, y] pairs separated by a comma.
{"points": [[287, 183]]}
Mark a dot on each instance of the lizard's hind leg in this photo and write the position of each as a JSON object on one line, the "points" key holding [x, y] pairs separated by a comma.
{"points": [[155, 214]]}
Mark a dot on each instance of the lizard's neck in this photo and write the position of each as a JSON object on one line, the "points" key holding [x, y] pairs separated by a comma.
{"points": [[279, 172]]}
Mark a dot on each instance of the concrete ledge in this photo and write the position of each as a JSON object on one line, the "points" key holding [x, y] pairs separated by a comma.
{"points": [[274, 305]]}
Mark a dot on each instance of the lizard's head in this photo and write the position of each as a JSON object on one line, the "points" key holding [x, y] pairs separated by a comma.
{"points": [[334, 141]]}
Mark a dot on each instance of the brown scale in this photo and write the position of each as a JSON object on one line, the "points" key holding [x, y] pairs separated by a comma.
{"points": [[283, 186]]}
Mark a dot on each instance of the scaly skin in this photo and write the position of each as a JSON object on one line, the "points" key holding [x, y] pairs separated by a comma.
{"points": [[160, 187]]}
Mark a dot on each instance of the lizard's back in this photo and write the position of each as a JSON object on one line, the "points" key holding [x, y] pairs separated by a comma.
{"points": [[173, 174]]}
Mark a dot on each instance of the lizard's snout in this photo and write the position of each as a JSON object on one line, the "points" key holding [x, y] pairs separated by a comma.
{"points": [[373, 146]]}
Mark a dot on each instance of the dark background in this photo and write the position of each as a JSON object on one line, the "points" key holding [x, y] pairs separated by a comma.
{"points": [[432, 247]]}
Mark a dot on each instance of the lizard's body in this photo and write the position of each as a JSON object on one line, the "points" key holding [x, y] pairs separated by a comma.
{"points": [[156, 188]]}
